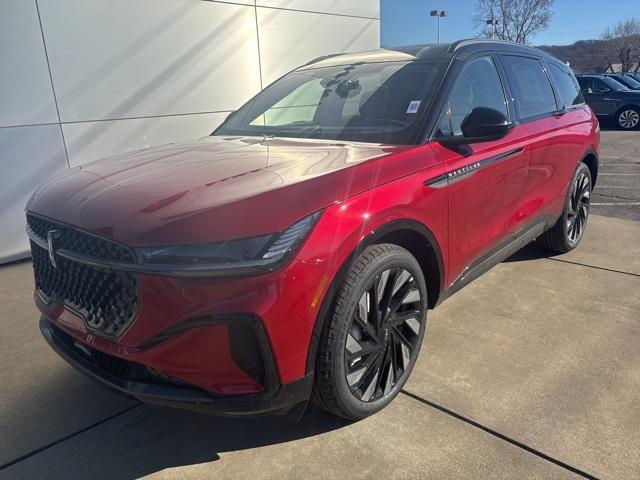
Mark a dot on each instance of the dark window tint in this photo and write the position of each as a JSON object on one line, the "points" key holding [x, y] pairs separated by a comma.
{"points": [[585, 85], [606, 84], [627, 81], [377, 102], [530, 85], [599, 86], [477, 85], [631, 82], [568, 87]]}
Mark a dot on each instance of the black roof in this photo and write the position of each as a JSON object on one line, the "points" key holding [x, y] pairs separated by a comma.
{"points": [[434, 51]]}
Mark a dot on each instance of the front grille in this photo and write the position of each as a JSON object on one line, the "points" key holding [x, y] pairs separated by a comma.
{"points": [[117, 367], [75, 240], [107, 300]]}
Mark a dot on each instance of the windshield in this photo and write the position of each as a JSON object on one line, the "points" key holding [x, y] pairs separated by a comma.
{"points": [[613, 84], [630, 81], [376, 102]]}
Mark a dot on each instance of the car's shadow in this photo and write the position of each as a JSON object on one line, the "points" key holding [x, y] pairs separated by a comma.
{"points": [[144, 439], [532, 251], [164, 438]]}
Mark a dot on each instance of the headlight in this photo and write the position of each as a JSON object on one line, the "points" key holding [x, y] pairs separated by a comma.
{"points": [[255, 254]]}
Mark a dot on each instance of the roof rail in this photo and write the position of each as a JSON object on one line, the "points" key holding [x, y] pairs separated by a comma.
{"points": [[322, 57], [471, 41], [454, 45]]}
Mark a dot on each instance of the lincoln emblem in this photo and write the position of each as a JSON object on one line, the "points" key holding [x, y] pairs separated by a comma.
{"points": [[51, 236]]}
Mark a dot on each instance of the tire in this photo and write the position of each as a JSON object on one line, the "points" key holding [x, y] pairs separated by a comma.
{"points": [[362, 365], [566, 234], [628, 118]]}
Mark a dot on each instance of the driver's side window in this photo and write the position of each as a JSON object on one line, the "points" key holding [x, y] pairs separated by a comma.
{"points": [[477, 85], [599, 86], [585, 85]]}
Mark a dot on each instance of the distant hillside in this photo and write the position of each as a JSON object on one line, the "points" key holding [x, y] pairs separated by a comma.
{"points": [[593, 56], [584, 56]]}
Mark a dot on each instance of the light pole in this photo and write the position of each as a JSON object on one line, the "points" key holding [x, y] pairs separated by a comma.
{"points": [[494, 23], [438, 13]]}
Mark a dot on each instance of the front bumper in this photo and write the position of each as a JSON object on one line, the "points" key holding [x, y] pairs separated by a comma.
{"points": [[277, 398]]}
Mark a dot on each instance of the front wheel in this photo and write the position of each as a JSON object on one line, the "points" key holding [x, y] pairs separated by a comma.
{"points": [[373, 333], [569, 229]]}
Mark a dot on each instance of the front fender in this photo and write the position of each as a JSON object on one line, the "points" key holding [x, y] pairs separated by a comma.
{"points": [[349, 226], [345, 225]]}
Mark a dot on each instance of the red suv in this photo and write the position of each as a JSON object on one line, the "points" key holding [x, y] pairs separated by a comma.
{"points": [[294, 253]]}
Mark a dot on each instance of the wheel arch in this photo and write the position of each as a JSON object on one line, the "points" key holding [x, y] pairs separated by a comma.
{"points": [[590, 159], [407, 233], [422, 244]]}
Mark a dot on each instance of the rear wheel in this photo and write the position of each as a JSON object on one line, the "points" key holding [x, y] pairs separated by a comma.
{"points": [[629, 118], [373, 334], [569, 229]]}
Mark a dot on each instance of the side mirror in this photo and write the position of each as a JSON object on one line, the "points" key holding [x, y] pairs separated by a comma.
{"points": [[483, 124]]}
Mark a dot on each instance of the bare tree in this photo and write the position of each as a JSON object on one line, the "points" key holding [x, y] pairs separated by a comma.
{"points": [[519, 19], [624, 43]]}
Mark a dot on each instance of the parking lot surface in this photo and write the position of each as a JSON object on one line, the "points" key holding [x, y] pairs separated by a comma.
{"points": [[532, 371], [617, 192]]}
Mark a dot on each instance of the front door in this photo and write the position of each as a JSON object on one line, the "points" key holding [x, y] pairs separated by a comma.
{"points": [[485, 180]]}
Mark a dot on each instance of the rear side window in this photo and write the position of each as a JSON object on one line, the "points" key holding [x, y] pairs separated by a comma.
{"points": [[531, 88], [568, 87], [477, 85]]}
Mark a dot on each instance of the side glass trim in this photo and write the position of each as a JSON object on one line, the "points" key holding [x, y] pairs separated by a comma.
{"points": [[520, 118], [452, 80]]}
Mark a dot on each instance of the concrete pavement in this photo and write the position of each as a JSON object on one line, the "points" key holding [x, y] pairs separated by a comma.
{"points": [[533, 371], [617, 192], [546, 352]]}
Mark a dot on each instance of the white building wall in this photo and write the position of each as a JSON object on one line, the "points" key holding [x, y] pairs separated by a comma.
{"points": [[85, 79]]}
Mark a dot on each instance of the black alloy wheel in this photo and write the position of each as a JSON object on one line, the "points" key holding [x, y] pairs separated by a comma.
{"points": [[578, 208], [566, 233], [372, 334], [383, 335]]}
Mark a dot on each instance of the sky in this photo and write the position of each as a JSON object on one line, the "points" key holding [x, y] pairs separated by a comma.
{"points": [[407, 22]]}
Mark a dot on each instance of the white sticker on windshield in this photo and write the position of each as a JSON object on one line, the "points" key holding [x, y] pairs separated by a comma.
{"points": [[414, 106]]}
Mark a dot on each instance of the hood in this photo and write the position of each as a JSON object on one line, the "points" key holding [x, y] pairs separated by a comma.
{"points": [[214, 188]]}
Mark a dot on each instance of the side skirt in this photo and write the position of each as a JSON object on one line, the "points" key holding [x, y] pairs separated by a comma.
{"points": [[498, 254]]}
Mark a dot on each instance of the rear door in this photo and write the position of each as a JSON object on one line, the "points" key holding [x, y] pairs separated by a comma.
{"points": [[566, 141], [555, 129], [485, 180]]}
